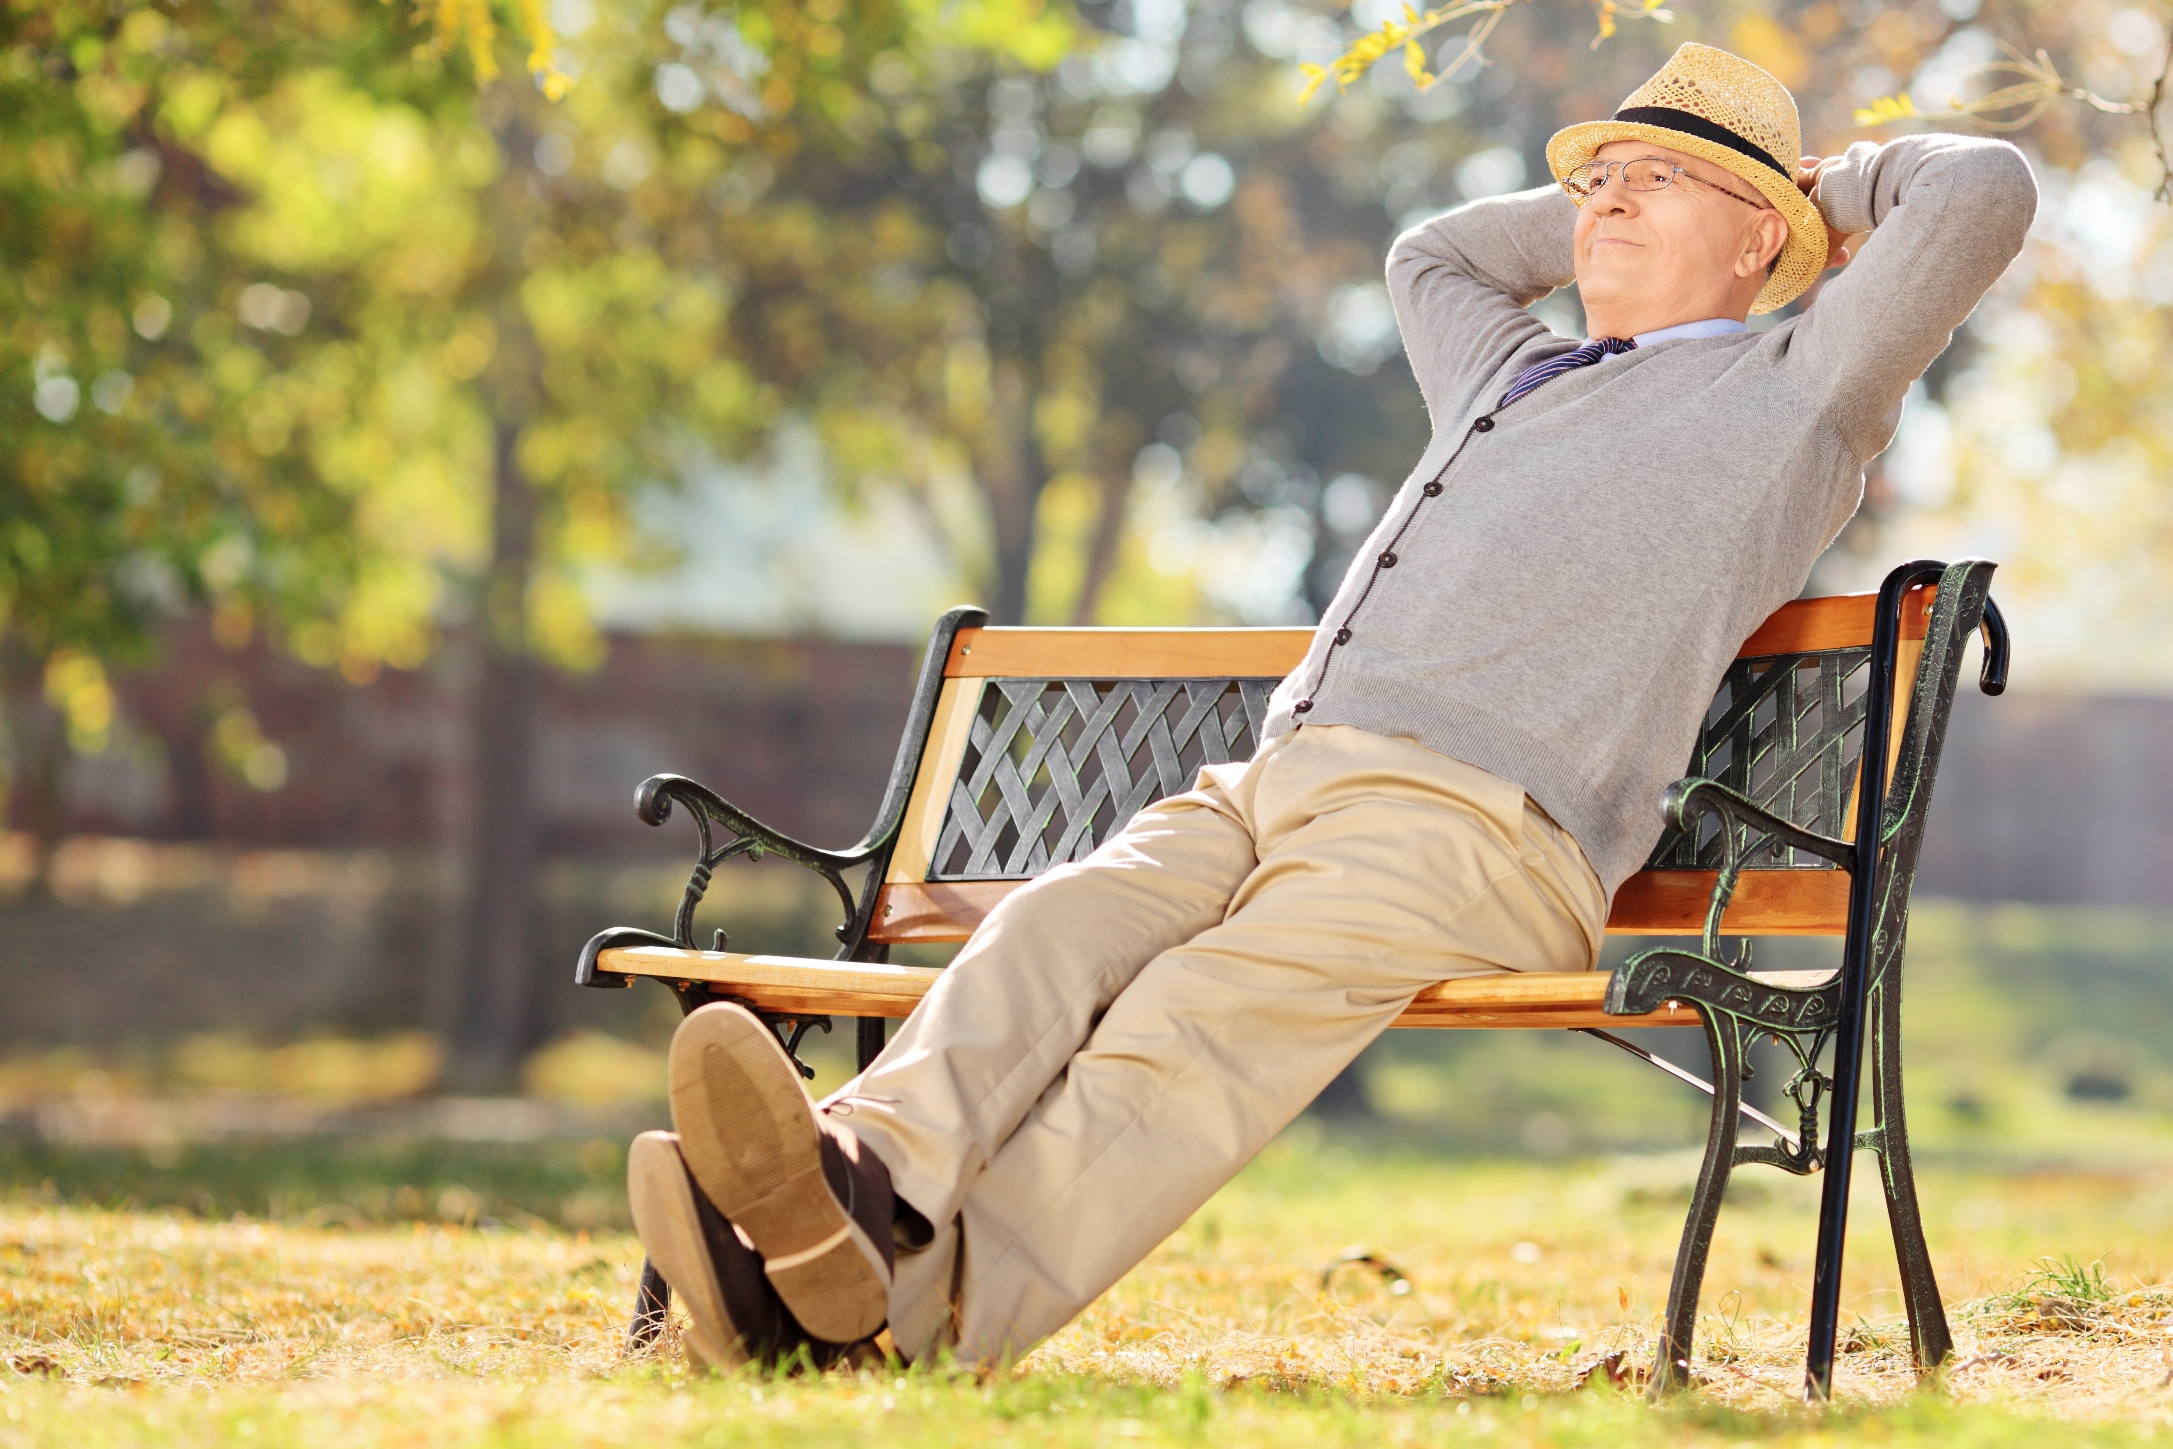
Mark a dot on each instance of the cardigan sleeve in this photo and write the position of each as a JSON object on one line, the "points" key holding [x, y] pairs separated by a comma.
{"points": [[1462, 281], [1946, 215]]}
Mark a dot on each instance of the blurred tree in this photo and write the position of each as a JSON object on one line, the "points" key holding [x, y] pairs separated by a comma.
{"points": [[566, 329], [432, 334], [1144, 270], [1165, 323], [2044, 439], [129, 483], [2034, 438]]}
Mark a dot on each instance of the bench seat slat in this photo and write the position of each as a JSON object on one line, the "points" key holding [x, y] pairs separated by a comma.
{"points": [[1651, 903], [856, 988]]}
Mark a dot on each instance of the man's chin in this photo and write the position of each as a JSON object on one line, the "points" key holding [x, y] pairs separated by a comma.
{"points": [[1605, 292]]}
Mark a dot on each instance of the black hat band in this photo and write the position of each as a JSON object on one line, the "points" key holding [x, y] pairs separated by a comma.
{"points": [[1692, 124]]}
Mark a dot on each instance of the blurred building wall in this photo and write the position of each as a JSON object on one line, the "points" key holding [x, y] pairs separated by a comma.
{"points": [[799, 732], [2063, 799], [192, 900]]}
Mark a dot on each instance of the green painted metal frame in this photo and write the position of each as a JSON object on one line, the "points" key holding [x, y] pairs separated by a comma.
{"points": [[1864, 997]]}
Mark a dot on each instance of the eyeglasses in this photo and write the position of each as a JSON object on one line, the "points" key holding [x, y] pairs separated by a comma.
{"points": [[1646, 173]]}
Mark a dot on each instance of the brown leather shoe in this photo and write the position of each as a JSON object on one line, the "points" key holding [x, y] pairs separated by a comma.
{"points": [[736, 1316], [815, 1207], [730, 1325]]}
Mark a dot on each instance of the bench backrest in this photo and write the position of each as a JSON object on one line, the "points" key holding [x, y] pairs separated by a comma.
{"points": [[1041, 743]]}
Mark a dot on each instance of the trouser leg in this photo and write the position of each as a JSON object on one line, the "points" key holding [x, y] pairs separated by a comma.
{"points": [[1005, 1018], [1383, 868]]}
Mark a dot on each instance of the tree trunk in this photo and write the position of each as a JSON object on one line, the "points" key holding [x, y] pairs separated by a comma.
{"points": [[496, 1000], [38, 759], [1011, 475], [495, 1013], [1344, 1097], [1114, 449]]}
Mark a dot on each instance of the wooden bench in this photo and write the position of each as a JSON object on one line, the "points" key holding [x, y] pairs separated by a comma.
{"points": [[1027, 747]]}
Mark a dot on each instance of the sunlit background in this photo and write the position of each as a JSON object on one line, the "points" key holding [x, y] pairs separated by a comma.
{"points": [[418, 431]]}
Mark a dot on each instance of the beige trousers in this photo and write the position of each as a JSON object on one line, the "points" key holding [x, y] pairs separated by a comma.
{"points": [[1125, 1033]]}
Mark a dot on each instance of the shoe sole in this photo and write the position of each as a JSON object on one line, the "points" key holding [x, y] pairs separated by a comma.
{"points": [[749, 1137], [661, 1194]]}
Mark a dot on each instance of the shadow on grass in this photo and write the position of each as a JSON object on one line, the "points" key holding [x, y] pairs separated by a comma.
{"points": [[333, 1182]]}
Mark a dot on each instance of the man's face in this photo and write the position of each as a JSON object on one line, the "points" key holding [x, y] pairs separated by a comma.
{"points": [[1690, 245]]}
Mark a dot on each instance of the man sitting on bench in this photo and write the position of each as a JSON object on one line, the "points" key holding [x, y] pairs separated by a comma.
{"points": [[1456, 779]]}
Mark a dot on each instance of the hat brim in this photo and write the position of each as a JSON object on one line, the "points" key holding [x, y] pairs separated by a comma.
{"points": [[1803, 256]]}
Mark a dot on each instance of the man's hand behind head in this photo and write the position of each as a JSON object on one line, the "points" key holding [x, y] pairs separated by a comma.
{"points": [[1837, 242]]}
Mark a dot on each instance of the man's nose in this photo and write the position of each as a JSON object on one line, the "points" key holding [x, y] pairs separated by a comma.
{"points": [[1613, 199]]}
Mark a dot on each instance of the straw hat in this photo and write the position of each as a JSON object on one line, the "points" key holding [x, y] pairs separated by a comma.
{"points": [[1719, 108]]}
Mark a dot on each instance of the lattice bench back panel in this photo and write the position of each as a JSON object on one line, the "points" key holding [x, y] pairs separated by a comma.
{"points": [[1787, 732], [1053, 767], [1031, 764]]}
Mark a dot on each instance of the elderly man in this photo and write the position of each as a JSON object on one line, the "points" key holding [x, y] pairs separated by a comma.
{"points": [[1465, 767]]}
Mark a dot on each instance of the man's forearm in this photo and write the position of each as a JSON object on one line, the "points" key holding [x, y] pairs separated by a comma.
{"points": [[1861, 188], [1461, 282], [1517, 246], [1946, 215]]}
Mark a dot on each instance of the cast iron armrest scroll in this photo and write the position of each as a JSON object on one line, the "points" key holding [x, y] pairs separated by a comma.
{"points": [[748, 837], [751, 838], [1992, 673], [1740, 820], [1735, 1007]]}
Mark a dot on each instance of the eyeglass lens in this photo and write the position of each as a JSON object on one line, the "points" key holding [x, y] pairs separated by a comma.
{"points": [[1645, 174]]}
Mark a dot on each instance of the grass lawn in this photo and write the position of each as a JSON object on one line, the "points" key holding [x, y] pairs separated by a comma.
{"points": [[349, 1327]]}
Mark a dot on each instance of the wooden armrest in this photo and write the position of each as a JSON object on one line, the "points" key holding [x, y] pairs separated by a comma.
{"points": [[1565, 999], [784, 983]]}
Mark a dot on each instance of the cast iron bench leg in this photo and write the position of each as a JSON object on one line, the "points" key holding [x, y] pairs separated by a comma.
{"points": [[1671, 1361], [1929, 1339], [652, 1305], [868, 1040]]}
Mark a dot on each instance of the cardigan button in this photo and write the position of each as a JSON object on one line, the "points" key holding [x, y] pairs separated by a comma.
{"points": [[1343, 636], [1432, 490], [1301, 706], [1483, 425], [1387, 560]]}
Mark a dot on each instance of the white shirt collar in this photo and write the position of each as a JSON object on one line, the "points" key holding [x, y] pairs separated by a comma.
{"points": [[1710, 327]]}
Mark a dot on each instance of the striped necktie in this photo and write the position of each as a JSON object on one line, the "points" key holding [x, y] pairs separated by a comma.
{"points": [[1583, 355]]}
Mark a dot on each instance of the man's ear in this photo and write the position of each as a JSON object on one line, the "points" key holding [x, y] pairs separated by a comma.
{"points": [[1767, 240]]}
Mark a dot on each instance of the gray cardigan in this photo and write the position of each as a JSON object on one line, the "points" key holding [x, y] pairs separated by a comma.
{"points": [[1560, 610]]}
